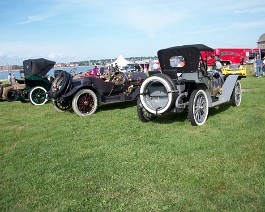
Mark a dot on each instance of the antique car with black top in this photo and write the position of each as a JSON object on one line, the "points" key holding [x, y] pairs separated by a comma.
{"points": [[84, 93], [186, 85], [36, 82]]}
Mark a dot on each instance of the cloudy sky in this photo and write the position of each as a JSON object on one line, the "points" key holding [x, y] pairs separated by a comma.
{"points": [[74, 30]]}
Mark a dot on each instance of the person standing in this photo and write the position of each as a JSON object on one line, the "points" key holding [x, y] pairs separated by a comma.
{"points": [[13, 79], [155, 67], [258, 66], [101, 70], [116, 68], [218, 66], [9, 78], [95, 71], [254, 65], [263, 67]]}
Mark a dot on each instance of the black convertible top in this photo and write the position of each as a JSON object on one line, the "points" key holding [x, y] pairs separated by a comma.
{"points": [[191, 54], [38, 67]]}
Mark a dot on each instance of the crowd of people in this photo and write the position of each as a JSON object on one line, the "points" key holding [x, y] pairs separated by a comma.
{"points": [[11, 78], [105, 71], [259, 66]]}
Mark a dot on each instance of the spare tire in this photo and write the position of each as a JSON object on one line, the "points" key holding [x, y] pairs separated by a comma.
{"points": [[158, 94], [61, 84]]}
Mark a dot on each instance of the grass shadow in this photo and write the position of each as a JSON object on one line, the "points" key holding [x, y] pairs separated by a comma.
{"points": [[219, 109], [116, 105], [171, 117]]}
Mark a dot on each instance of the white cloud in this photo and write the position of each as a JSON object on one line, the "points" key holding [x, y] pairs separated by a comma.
{"points": [[31, 19]]}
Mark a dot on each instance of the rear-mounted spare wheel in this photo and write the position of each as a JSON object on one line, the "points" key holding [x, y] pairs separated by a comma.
{"points": [[61, 84], [158, 94]]}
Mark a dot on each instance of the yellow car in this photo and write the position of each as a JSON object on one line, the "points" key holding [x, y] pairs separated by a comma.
{"points": [[234, 69]]}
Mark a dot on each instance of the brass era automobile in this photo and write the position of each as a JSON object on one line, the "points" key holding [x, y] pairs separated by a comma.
{"points": [[186, 85], [84, 93], [35, 85]]}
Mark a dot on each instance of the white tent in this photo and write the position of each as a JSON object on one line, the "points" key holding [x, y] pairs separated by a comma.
{"points": [[121, 61]]}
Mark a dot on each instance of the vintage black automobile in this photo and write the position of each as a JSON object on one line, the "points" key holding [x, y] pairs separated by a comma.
{"points": [[84, 93], [186, 84], [35, 85]]}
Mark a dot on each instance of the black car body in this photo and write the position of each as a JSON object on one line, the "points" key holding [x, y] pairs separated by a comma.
{"points": [[86, 92]]}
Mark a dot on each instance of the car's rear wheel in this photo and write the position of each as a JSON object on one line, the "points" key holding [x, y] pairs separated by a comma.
{"points": [[85, 102], [38, 95], [61, 105], [143, 114], [10, 95], [237, 94], [198, 107]]}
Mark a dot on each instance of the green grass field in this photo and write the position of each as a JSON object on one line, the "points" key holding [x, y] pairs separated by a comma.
{"points": [[110, 161]]}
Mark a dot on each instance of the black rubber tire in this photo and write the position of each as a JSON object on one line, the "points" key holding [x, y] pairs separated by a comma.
{"points": [[237, 94], [143, 114], [85, 102], [10, 95], [62, 106], [170, 87], [198, 107], [38, 95]]}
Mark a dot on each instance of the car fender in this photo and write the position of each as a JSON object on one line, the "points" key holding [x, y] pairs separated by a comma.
{"points": [[77, 88], [227, 88], [135, 93]]}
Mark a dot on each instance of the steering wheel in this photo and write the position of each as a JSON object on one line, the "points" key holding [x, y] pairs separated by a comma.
{"points": [[118, 78]]}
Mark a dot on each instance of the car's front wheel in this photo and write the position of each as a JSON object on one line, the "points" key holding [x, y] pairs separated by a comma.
{"points": [[38, 95], [85, 102], [198, 107], [237, 94]]}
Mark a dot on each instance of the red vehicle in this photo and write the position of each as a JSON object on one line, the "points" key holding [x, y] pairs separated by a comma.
{"points": [[231, 55]]}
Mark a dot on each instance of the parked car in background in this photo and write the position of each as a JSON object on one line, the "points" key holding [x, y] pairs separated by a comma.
{"points": [[251, 61], [235, 69]]}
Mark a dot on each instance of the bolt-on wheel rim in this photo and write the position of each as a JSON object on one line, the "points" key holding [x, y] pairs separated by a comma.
{"points": [[85, 102], [198, 107], [237, 94], [38, 95]]}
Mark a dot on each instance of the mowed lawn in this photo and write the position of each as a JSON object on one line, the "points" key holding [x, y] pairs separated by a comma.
{"points": [[110, 161]]}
